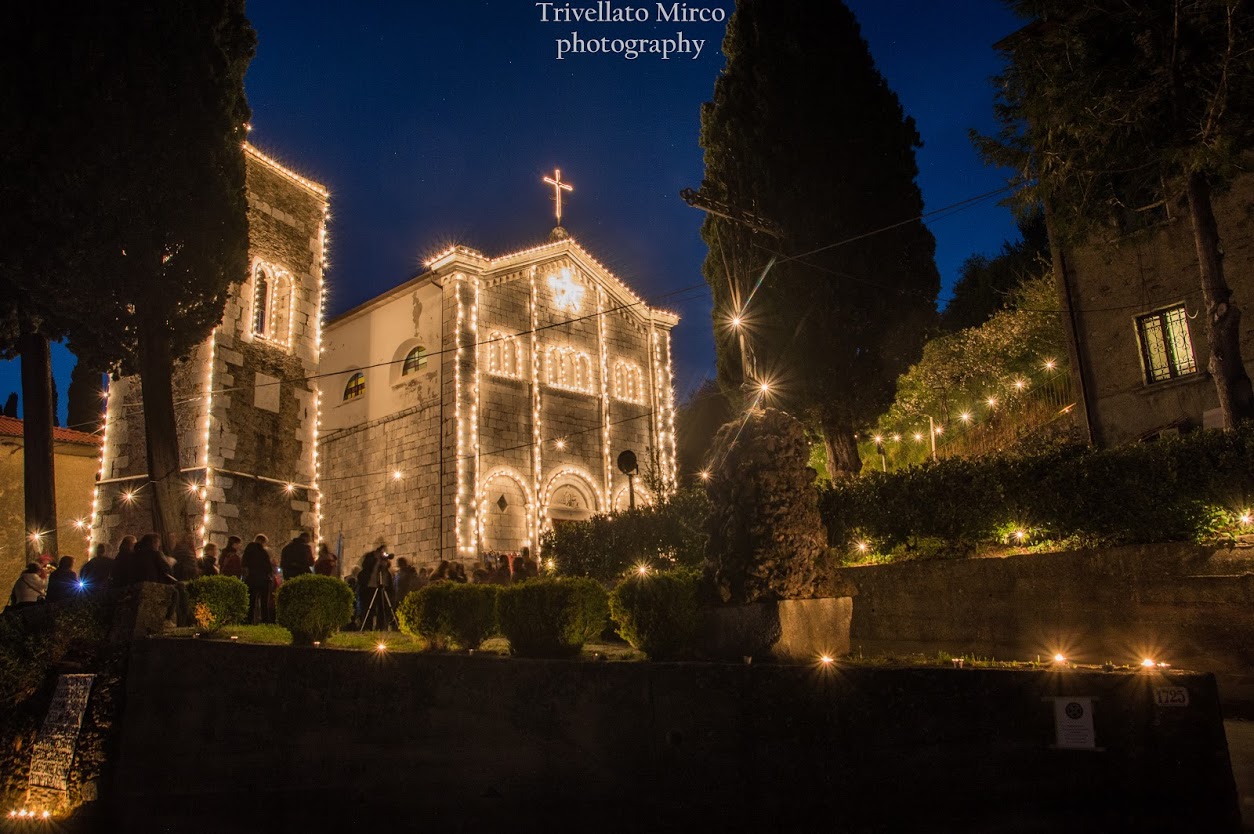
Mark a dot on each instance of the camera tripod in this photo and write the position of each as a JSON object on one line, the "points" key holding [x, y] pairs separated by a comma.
{"points": [[379, 603]]}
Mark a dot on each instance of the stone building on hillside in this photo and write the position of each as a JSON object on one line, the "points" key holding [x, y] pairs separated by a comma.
{"points": [[1138, 324], [246, 402], [487, 398]]}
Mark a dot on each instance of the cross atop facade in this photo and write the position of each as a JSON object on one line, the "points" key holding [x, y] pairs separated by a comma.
{"points": [[558, 188]]}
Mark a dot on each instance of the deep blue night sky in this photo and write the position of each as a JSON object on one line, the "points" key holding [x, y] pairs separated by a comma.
{"points": [[433, 122]]}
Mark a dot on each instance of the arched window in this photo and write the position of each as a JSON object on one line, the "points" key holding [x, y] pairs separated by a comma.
{"points": [[568, 368], [261, 302], [415, 359], [628, 382], [356, 386], [504, 355]]}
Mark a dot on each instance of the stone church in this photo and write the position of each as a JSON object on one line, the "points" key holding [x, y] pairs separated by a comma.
{"points": [[488, 398], [464, 411]]}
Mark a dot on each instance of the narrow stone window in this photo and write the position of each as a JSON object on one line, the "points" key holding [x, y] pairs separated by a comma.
{"points": [[1166, 349], [261, 302], [356, 386]]}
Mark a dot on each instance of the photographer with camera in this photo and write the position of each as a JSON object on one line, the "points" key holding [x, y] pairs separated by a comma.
{"points": [[374, 589]]}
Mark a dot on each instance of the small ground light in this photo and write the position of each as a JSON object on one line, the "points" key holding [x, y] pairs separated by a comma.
{"points": [[1148, 663], [1246, 517], [862, 547], [826, 660], [642, 570], [1020, 535], [1060, 658], [381, 647]]}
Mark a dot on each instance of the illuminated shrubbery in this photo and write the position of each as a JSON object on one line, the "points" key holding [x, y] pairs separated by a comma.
{"points": [[1177, 489], [551, 617], [657, 613], [217, 601], [446, 613], [312, 607]]}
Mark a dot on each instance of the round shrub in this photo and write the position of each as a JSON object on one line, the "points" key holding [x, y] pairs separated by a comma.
{"points": [[446, 613], [312, 607], [657, 614], [217, 601], [551, 617]]}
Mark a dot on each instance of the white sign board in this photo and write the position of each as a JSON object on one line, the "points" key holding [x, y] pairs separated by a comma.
{"points": [[1073, 723]]}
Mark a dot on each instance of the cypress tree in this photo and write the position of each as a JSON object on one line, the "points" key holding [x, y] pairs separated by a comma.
{"points": [[805, 136]]}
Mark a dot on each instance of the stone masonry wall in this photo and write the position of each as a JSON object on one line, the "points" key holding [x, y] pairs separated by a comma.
{"points": [[261, 393], [1147, 270]]}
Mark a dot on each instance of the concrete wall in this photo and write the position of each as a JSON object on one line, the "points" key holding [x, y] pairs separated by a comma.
{"points": [[1118, 280], [75, 472], [223, 737], [1189, 606]]}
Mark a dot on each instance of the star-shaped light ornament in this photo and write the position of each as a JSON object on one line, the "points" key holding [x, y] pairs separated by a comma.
{"points": [[567, 292]]}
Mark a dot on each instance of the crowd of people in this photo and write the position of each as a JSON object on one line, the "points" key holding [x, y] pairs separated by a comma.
{"points": [[379, 582]]}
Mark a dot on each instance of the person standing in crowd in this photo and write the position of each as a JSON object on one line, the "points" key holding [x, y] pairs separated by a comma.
{"points": [[63, 582], [232, 563], [96, 574], [186, 566], [374, 582], [124, 571], [327, 564], [29, 589], [150, 563], [406, 579], [208, 561], [259, 576], [297, 557]]}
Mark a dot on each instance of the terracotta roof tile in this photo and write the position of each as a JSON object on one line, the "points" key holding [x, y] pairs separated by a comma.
{"points": [[12, 427]]}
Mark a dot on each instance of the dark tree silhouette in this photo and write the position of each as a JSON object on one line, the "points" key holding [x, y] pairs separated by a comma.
{"points": [[805, 136], [139, 140]]}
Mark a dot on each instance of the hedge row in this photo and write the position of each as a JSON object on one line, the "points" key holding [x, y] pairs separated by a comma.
{"points": [[606, 547], [1177, 489], [540, 618]]}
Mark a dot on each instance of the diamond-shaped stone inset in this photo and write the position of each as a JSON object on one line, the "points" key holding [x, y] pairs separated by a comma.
{"points": [[502, 503]]}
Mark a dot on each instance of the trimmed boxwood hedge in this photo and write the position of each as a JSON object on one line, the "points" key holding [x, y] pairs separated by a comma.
{"points": [[217, 601], [657, 613], [552, 617], [1175, 489], [447, 613], [312, 607]]}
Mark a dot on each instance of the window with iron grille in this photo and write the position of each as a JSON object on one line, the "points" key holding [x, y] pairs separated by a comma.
{"points": [[1166, 349]]}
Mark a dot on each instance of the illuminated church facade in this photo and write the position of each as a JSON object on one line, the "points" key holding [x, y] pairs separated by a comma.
{"points": [[462, 412], [488, 398]]}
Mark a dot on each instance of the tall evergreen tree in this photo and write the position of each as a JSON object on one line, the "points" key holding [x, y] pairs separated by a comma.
{"points": [[85, 406], [804, 134], [155, 89], [1110, 109]]}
